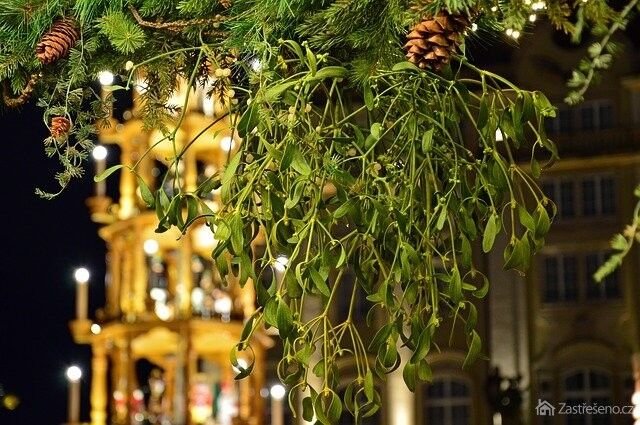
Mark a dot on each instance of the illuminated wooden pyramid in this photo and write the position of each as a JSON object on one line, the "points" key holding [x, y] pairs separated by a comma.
{"points": [[161, 343]]}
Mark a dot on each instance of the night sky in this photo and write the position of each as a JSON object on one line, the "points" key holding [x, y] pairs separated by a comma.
{"points": [[43, 243]]}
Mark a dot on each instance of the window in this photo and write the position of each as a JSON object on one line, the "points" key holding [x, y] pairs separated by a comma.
{"points": [[590, 116], [448, 402], [595, 115], [562, 194], [607, 289], [588, 196], [560, 279], [598, 196], [590, 387]]}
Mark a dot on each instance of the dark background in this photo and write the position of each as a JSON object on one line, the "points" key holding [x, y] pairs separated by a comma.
{"points": [[42, 243]]}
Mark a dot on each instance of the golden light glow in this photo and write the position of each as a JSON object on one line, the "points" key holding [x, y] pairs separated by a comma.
{"points": [[96, 329], [74, 373], [81, 275]]}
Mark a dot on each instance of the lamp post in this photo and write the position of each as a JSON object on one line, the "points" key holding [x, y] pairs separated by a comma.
{"points": [[277, 409], [74, 374], [81, 276], [99, 154]]}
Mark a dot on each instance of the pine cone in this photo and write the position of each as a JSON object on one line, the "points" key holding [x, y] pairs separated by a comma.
{"points": [[431, 42], [58, 41], [60, 127]]}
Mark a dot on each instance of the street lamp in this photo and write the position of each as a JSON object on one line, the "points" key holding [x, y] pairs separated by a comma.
{"points": [[81, 276], [74, 375], [277, 406]]}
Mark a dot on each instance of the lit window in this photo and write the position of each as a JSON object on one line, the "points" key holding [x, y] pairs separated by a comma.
{"points": [[448, 402], [590, 387]]}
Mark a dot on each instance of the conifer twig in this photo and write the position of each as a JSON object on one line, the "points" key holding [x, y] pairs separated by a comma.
{"points": [[25, 94], [175, 26]]}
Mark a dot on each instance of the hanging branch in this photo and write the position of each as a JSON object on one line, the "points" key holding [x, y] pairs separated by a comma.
{"points": [[25, 94], [599, 57], [175, 26]]}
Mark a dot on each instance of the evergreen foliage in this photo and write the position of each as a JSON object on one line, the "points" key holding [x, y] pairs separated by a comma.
{"points": [[322, 96]]}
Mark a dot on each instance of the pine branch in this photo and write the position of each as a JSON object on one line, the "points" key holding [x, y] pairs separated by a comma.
{"points": [[176, 26]]}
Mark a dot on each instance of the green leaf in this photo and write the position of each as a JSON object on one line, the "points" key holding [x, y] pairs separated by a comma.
{"points": [[237, 237], [525, 218], [405, 66], [106, 173], [330, 72], [483, 114], [368, 97], [248, 121], [424, 371], [475, 344], [423, 345], [319, 282], [427, 140], [490, 232], [146, 194], [543, 223], [409, 375], [284, 319], [299, 163], [483, 290]]}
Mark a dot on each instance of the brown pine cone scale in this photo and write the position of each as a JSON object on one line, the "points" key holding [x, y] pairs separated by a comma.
{"points": [[60, 126], [431, 43], [56, 43]]}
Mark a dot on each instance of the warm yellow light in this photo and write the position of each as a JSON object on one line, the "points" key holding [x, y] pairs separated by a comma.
{"points": [[81, 275], [10, 402], [635, 398], [106, 78], [203, 238], [74, 373], [96, 329], [99, 153], [227, 143], [223, 305], [277, 392], [151, 246]]}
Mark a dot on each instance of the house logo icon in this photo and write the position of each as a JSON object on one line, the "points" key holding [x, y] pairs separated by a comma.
{"points": [[544, 408]]}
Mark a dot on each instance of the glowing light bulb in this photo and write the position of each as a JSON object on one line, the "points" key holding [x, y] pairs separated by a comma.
{"points": [[515, 34], [151, 246], [106, 78], [635, 398], [96, 329], [99, 153], [74, 373], [223, 305], [533, 17], [227, 143], [509, 31], [277, 392], [474, 27], [81, 275]]}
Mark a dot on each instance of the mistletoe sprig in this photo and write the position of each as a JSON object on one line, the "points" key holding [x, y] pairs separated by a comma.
{"points": [[392, 183]]}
